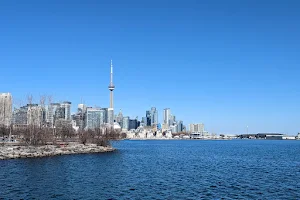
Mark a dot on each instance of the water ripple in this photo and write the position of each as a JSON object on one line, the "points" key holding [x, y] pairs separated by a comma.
{"points": [[161, 170]]}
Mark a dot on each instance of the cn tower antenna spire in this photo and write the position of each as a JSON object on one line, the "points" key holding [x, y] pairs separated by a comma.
{"points": [[111, 73]]}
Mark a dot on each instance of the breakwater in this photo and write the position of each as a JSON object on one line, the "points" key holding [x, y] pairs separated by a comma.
{"points": [[12, 152]]}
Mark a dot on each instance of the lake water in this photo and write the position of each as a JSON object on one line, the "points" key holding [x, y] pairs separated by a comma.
{"points": [[182, 169]]}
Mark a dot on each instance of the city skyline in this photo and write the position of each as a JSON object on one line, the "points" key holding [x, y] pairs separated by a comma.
{"points": [[218, 64]]}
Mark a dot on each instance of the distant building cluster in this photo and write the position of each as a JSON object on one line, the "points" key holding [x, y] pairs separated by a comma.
{"points": [[59, 114], [55, 115]]}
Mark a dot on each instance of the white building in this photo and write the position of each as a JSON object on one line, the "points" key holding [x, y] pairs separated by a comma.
{"points": [[94, 118], [67, 106], [110, 116], [196, 127], [34, 115], [51, 112], [166, 116], [125, 124], [5, 109]]}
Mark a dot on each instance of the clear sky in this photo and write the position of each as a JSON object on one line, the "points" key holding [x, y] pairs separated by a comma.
{"points": [[227, 64]]}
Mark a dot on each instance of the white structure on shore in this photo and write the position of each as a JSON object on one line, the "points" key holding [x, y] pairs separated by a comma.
{"points": [[148, 133], [5, 109]]}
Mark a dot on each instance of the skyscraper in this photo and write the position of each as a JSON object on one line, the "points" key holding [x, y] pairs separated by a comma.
{"points": [[125, 123], [154, 116], [179, 126], [51, 113], [94, 118], [133, 124], [102, 117], [148, 117], [120, 118], [35, 115], [5, 109], [111, 88], [174, 128], [105, 110], [67, 106], [167, 115]]}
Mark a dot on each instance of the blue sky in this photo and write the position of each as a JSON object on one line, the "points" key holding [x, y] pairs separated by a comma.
{"points": [[227, 64]]}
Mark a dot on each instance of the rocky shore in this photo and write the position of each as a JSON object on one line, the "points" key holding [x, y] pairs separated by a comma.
{"points": [[11, 152]]}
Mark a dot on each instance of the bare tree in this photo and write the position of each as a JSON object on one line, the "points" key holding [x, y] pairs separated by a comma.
{"points": [[50, 100], [34, 133], [29, 98], [83, 136]]}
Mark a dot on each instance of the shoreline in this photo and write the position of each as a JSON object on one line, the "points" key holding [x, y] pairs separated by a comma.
{"points": [[20, 151]]}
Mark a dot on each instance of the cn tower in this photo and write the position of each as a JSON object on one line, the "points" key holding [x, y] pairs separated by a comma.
{"points": [[111, 88]]}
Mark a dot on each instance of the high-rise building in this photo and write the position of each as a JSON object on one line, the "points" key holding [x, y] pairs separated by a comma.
{"points": [[20, 116], [111, 88], [154, 116], [51, 113], [133, 124], [105, 114], [110, 116], [171, 122], [94, 118], [144, 120], [35, 115], [5, 109], [80, 116], [102, 117], [59, 113], [166, 115], [179, 126], [197, 127], [148, 117], [125, 123], [79, 120], [119, 118], [174, 128], [67, 106], [173, 117]]}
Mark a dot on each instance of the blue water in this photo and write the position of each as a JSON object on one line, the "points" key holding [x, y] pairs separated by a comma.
{"points": [[239, 169]]}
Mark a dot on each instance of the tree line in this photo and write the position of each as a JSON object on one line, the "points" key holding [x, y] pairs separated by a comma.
{"points": [[34, 133]]}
